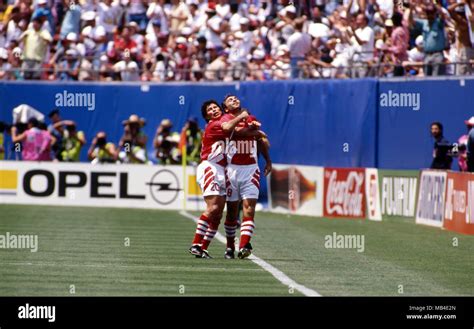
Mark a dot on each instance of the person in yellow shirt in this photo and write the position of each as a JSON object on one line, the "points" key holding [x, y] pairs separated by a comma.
{"points": [[36, 42], [72, 140], [102, 151]]}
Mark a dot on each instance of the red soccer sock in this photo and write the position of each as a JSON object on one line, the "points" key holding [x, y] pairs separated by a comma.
{"points": [[246, 231], [202, 227], [230, 226], [210, 233]]}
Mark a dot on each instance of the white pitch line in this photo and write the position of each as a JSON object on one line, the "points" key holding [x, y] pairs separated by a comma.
{"points": [[279, 275]]}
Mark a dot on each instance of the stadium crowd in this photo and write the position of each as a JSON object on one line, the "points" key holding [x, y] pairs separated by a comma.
{"points": [[194, 40]]}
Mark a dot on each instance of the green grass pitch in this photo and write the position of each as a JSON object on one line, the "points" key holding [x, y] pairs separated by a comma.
{"points": [[86, 247]]}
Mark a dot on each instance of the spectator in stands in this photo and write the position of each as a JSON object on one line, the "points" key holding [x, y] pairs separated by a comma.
{"points": [[191, 138], [299, 44], [102, 151], [127, 68], [36, 143], [36, 42], [441, 157], [363, 41], [470, 146], [72, 140], [399, 40], [434, 38], [4, 65], [68, 68], [463, 44], [137, 13], [242, 43], [166, 143], [72, 19]]}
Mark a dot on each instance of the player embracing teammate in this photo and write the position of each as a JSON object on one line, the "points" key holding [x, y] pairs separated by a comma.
{"points": [[229, 172]]}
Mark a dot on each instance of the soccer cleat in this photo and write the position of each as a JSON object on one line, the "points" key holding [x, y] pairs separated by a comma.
{"points": [[245, 251], [196, 250], [229, 253], [205, 254]]}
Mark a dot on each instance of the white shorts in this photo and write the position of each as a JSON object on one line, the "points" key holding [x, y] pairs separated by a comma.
{"points": [[243, 182], [211, 178]]}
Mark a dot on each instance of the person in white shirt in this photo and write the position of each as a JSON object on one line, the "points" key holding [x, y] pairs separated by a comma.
{"points": [[299, 44], [128, 69], [223, 9], [156, 13], [363, 41], [416, 54], [109, 14], [239, 53], [178, 16], [213, 28]]}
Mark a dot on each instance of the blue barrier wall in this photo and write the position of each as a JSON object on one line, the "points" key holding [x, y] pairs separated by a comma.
{"points": [[404, 134], [328, 123]]}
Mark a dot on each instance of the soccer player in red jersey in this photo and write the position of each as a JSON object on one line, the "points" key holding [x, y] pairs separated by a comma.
{"points": [[211, 174], [243, 177]]}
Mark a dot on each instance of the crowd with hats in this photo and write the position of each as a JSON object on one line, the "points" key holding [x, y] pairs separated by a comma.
{"points": [[225, 40]]}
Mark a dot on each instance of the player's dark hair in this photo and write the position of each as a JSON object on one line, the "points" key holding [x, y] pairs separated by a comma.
{"points": [[205, 105], [439, 125], [224, 107]]}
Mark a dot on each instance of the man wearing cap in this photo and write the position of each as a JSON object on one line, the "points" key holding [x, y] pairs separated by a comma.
{"points": [[242, 44], [68, 68], [166, 143], [94, 35], [434, 40], [36, 42], [470, 145], [42, 11]]}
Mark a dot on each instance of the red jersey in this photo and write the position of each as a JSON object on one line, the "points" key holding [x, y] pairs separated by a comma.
{"points": [[213, 143], [241, 150]]}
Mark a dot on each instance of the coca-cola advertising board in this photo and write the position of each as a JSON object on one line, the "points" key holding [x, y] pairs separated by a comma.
{"points": [[296, 190], [344, 192], [459, 207]]}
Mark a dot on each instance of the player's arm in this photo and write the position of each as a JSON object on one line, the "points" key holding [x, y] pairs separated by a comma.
{"points": [[230, 125], [263, 147], [15, 137]]}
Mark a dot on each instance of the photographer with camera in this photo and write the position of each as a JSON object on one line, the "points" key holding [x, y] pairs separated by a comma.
{"points": [[3, 130], [72, 140], [442, 156], [166, 143], [191, 138], [101, 151], [132, 144]]}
